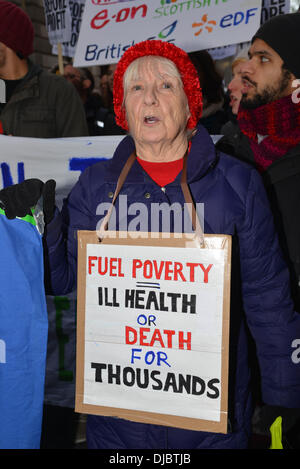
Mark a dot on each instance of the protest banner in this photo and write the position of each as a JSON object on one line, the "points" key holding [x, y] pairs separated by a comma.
{"points": [[270, 8], [152, 329], [68, 48], [57, 20], [109, 28]]}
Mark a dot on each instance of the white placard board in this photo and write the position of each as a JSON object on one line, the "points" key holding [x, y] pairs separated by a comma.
{"points": [[153, 324], [110, 28]]}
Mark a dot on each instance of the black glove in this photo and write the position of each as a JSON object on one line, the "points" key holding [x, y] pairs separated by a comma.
{"points": [[17, 200]]}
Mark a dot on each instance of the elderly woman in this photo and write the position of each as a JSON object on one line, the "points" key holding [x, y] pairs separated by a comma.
{"points": [[157, 97]]}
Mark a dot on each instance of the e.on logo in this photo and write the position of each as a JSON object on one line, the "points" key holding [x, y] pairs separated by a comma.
{"points": [[2, 91]]}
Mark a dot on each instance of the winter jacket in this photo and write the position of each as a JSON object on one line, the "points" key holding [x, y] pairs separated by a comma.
{"points": [[282, 183], [43, 105], [235, 203]]}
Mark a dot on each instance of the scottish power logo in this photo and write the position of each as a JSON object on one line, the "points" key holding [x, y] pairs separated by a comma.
{"points": [[2, 92]]}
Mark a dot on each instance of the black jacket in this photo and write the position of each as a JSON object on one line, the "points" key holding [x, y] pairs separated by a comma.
{"points": [[43, 105]]}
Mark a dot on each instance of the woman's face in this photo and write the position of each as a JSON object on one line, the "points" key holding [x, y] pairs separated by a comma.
{"points": [[156, 105], [235, 88]]}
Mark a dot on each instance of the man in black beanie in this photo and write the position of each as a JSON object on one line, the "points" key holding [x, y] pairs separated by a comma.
{"points": [[269, 128], [269, 138]]}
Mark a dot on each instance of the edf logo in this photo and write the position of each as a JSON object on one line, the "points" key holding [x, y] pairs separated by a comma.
{"points": [[2, 92], [237, 18]]}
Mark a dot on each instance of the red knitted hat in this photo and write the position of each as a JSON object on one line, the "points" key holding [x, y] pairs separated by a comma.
{"points": [[16, 29], [189, 76]]}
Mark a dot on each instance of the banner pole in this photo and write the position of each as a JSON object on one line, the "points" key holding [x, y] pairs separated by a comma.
{"points": [[60, 59]]}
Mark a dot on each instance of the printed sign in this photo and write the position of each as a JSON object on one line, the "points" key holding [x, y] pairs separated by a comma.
{"points": [[57, 20], [270, 8], [68, 48], [153, 331], [110, 28]]}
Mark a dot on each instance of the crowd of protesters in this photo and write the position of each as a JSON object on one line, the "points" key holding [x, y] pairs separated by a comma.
{"points": [[258, 122]]}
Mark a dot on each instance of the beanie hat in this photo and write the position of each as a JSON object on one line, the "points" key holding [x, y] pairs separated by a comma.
{"points": [[16, 29], [281, 33], [189, 77]]}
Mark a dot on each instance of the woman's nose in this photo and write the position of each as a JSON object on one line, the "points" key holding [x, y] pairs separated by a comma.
{"points": [[150, 96]]}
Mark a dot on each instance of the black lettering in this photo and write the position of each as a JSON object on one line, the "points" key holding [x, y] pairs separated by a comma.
{"points": [[114, 376], [152, 299], [196, 380], [98, 374], [189, 303], [128, 376], [158, 385], [211, 386], [170, 383]]}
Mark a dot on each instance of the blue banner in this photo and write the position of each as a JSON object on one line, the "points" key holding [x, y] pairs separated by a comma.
{"points": [[23, 334]]}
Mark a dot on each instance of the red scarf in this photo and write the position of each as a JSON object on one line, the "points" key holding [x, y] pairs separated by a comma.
{"points": [[278, 123]]}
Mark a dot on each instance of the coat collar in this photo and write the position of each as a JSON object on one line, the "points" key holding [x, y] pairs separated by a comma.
{"points": [[201, 158]]}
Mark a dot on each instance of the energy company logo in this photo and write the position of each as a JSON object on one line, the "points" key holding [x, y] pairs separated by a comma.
{"points": [[204, 23]]}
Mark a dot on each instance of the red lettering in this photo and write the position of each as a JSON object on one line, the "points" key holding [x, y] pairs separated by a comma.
{"points": [[157, 271], [183, 341], [169, 335], [148, 269], [206, 272], [168, 271], [112, 267], [119, 17], [136, 264], [178, 271], [100, 16], [192, 266], [91, 263], [135, 9], [157, 337], [143, 330], [130, 331], [102, 272]]}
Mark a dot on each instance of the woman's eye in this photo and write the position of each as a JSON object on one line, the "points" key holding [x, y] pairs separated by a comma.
{"points": [[136, 87], [166, 85], [264, 59]]}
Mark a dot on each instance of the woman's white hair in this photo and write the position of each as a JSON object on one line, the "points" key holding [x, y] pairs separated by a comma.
{"points": [[132, 74], [132, 71]]}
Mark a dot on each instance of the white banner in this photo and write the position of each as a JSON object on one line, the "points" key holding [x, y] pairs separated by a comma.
{"points": [[109, 28], [61, 159], [57, 20]]}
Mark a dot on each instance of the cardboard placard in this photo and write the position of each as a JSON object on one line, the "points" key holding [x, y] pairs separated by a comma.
{"points": [[153, 328]]}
